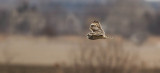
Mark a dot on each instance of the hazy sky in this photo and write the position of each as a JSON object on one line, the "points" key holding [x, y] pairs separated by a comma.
{"points": [[13, 3], [153, 0]]}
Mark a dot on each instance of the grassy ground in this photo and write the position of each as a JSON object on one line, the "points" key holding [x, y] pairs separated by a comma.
{"points": [[48, 53]]}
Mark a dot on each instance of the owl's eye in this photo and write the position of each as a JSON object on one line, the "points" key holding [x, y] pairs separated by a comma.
{"points": [[93, 25]]}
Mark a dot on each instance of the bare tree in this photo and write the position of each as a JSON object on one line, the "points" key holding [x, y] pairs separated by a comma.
{"points": [[127, 18]]}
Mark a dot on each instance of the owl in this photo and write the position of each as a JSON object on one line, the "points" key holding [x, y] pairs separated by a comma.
{"points": [[96, 31]]}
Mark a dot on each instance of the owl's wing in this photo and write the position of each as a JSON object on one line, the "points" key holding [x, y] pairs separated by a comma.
{"points": [[100, 27]]}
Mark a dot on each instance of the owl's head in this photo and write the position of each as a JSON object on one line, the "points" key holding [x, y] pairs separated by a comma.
{"points": [[95, 24]]}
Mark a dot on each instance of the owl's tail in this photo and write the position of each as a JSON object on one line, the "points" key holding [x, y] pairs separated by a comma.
{"points": [[108, 37]]}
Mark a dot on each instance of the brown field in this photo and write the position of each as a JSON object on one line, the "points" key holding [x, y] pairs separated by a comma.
{"points": [[44, 54]]}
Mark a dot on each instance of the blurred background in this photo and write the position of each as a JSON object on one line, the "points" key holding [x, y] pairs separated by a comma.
{"points": [[49, 36]]}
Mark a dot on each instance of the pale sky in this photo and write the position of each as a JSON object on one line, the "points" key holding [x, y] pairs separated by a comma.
{"points": [[153, 0]]}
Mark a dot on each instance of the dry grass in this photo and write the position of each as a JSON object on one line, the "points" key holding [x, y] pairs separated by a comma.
{"points": [[104, 56], [70, 54]]}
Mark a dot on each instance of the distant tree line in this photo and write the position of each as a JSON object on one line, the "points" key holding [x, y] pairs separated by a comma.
{"points": [[125, 17]]}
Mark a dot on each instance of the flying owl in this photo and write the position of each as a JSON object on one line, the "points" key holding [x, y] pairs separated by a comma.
{"points": [[96, 31]]}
